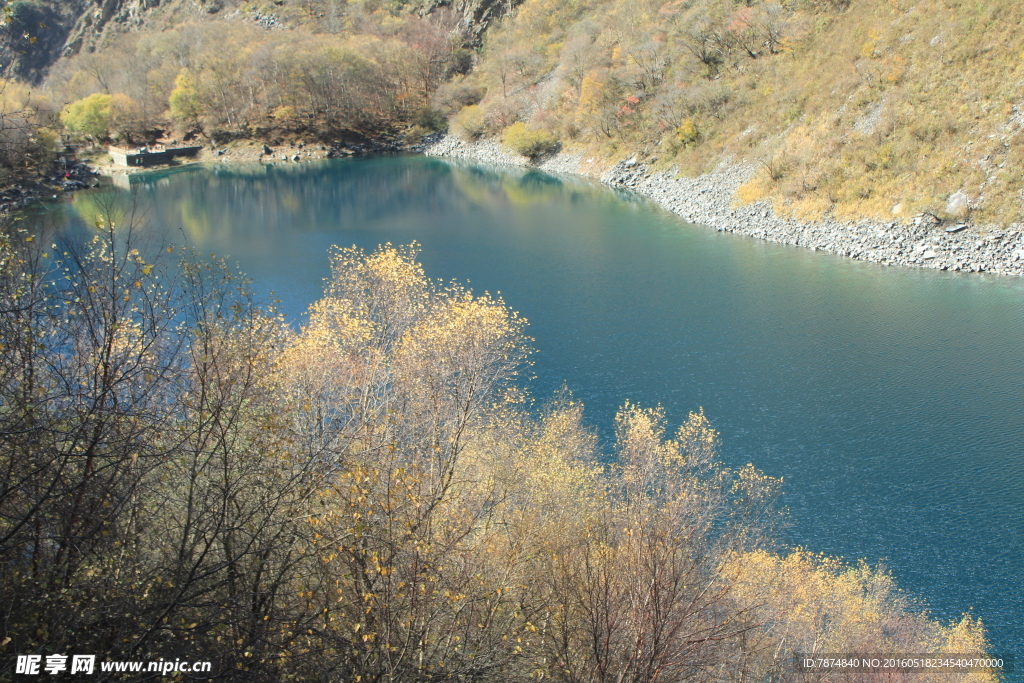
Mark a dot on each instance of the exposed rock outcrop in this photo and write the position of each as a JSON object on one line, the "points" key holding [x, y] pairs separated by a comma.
{"points": [[477, 15], [26, 48]]}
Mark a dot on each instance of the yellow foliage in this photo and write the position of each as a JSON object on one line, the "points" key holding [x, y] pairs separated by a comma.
{"points": [[592, 91], [90, 116], [751, 191], [469, 122], [818, 79], [184, 100], [688, 132], [532, 143], [381, 468], [823, 605], [285, 113]]}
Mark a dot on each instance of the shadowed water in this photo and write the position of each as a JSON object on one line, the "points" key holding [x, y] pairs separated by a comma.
{"points": [[891, 400]]}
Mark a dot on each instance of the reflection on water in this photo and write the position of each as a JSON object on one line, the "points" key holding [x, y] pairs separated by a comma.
{"points": [[891, 400]]}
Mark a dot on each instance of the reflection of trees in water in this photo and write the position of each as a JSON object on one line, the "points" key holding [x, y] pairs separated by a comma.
{"points": [[224, 203], [223, 208]]}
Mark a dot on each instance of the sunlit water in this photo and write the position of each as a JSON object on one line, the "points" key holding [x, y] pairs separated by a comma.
{"points": [[891, 400]]}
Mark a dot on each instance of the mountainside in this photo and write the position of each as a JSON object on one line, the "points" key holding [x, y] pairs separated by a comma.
{"points": [[39, 32]]}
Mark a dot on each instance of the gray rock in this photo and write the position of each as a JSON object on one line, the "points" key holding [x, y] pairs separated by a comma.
{"points": [[957, 204]]}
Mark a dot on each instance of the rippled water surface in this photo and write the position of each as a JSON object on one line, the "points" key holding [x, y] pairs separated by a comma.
{"points": [[891, 400]]}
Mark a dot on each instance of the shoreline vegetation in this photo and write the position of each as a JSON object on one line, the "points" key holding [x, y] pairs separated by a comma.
{"points": [[374, 497]]}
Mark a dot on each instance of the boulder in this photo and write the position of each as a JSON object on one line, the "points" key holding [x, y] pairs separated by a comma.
{"points": [[957, 204]]}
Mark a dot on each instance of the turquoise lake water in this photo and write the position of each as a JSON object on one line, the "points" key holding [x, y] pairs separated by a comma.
{"points": [[891, 400]]}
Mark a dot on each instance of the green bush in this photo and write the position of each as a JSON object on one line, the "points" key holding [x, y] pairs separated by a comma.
{"points": [[529, 142], [433, 121], [90, 116]]}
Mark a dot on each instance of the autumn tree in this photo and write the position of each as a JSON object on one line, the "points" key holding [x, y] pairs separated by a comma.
{"points": [[90, 116], [642, 598], [184, 100], [371, 496]]}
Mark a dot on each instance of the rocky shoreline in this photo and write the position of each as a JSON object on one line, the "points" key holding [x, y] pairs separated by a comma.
{"points": [[61, 177], [710, 200]]}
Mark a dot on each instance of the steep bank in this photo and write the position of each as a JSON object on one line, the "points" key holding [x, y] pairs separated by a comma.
{"points": [[711, 199], [850, 109]]}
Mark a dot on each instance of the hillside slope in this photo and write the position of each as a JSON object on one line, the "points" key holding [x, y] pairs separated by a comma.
{"points": [[39, 32], [879, 108]]}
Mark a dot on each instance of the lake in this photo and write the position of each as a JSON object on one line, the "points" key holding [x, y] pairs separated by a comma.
{"points": [[891, 400]]}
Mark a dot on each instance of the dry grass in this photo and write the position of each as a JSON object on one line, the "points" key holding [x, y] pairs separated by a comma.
{"points": [[885, 108]]}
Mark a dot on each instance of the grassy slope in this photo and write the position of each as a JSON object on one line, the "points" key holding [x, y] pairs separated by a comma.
{"points": [[882, 108]]}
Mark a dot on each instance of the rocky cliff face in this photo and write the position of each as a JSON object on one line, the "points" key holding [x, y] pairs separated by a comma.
{"points": [[477, 15], [100, 15], [35, 36], [62, 28]]}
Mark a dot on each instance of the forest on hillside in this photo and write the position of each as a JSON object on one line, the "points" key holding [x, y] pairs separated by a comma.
{"points": [[366, 74]]}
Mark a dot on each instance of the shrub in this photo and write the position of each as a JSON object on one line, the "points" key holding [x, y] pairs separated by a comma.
{"points": [[469, 123], [503, 113], [529, 142], [688, 132], [432, 121], [285, 113], [451, 97], [24, 140]]}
